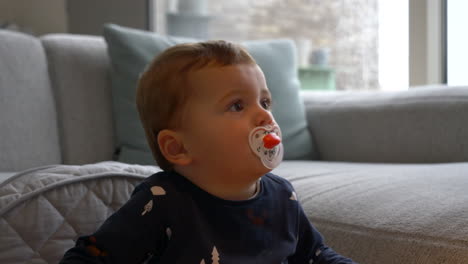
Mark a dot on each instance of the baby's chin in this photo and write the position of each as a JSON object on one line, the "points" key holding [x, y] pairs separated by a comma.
{"points": [[260, 169]]}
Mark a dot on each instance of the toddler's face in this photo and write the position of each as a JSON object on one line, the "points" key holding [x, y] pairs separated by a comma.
{"points": [[225, 105]]}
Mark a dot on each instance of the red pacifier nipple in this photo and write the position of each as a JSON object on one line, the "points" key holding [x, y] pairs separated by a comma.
{"points": [[271, 140]]}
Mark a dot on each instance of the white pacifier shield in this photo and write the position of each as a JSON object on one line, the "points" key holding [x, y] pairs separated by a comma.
{"points": [[272, 157]]}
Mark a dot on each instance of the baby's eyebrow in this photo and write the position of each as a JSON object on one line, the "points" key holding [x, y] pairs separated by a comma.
{"points": [[232, 93], [263, 92]]}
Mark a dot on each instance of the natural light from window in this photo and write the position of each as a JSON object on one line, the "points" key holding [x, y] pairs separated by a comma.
{"points": [[393, 45], [457, 42], [363, 44]]}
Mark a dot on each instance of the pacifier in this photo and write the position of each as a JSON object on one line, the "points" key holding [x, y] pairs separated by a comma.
{"points": [[265, 142]]}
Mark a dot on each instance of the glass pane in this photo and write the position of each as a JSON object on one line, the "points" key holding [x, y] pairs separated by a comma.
{"points": [[457, 42], [358, 41]]}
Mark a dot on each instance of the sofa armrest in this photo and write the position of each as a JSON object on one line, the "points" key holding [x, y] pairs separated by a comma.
{"points": [[420, 125]]}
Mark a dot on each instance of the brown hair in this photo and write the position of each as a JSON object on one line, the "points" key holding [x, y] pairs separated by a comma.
{"points": [[162, 90]]}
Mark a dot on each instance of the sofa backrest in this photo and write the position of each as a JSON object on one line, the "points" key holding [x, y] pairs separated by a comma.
{"points": [[421, 125], [65, 116], [28, 117], [79, 73]]}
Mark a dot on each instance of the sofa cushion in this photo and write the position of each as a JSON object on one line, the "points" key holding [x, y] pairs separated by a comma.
{"points": [[28, 120], [79, 68], [131, 50], [373, 213], [419, 125], [386, 213]]}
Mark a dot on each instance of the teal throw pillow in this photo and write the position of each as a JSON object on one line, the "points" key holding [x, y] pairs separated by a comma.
{"points": [[130, 50]]}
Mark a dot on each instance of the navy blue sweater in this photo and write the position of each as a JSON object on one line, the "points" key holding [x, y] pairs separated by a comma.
{"points": [[168, 219]]}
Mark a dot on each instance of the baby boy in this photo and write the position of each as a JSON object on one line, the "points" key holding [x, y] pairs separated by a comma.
{"points": [[206, 111]]}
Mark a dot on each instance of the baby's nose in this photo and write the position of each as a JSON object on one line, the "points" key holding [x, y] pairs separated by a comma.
{"points": [[265, 122], [264, 118]]}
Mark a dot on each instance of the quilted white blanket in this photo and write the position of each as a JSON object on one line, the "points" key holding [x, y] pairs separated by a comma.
{"points": [[43, 210]]}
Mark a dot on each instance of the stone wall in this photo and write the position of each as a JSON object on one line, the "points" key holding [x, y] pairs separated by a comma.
{"points": [[349, 28]]}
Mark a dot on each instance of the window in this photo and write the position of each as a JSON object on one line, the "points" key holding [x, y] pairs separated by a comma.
{"points": [[457, 42], [362, 42]]}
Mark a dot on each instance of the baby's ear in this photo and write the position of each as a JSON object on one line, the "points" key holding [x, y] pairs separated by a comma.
{"points": [[172, 147]]}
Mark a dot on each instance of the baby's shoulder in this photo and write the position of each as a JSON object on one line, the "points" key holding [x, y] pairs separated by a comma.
{"points": [[277, 182], [157, 182]]}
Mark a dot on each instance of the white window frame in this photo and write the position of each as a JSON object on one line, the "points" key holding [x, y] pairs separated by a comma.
{"points": [[427, 42]]}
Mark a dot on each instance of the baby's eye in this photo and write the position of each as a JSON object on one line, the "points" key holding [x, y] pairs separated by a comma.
{"points": [[266, 103], [236, 106]]}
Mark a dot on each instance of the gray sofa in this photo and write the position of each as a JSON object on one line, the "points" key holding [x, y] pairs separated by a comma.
{"points": [[390, 186]]}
